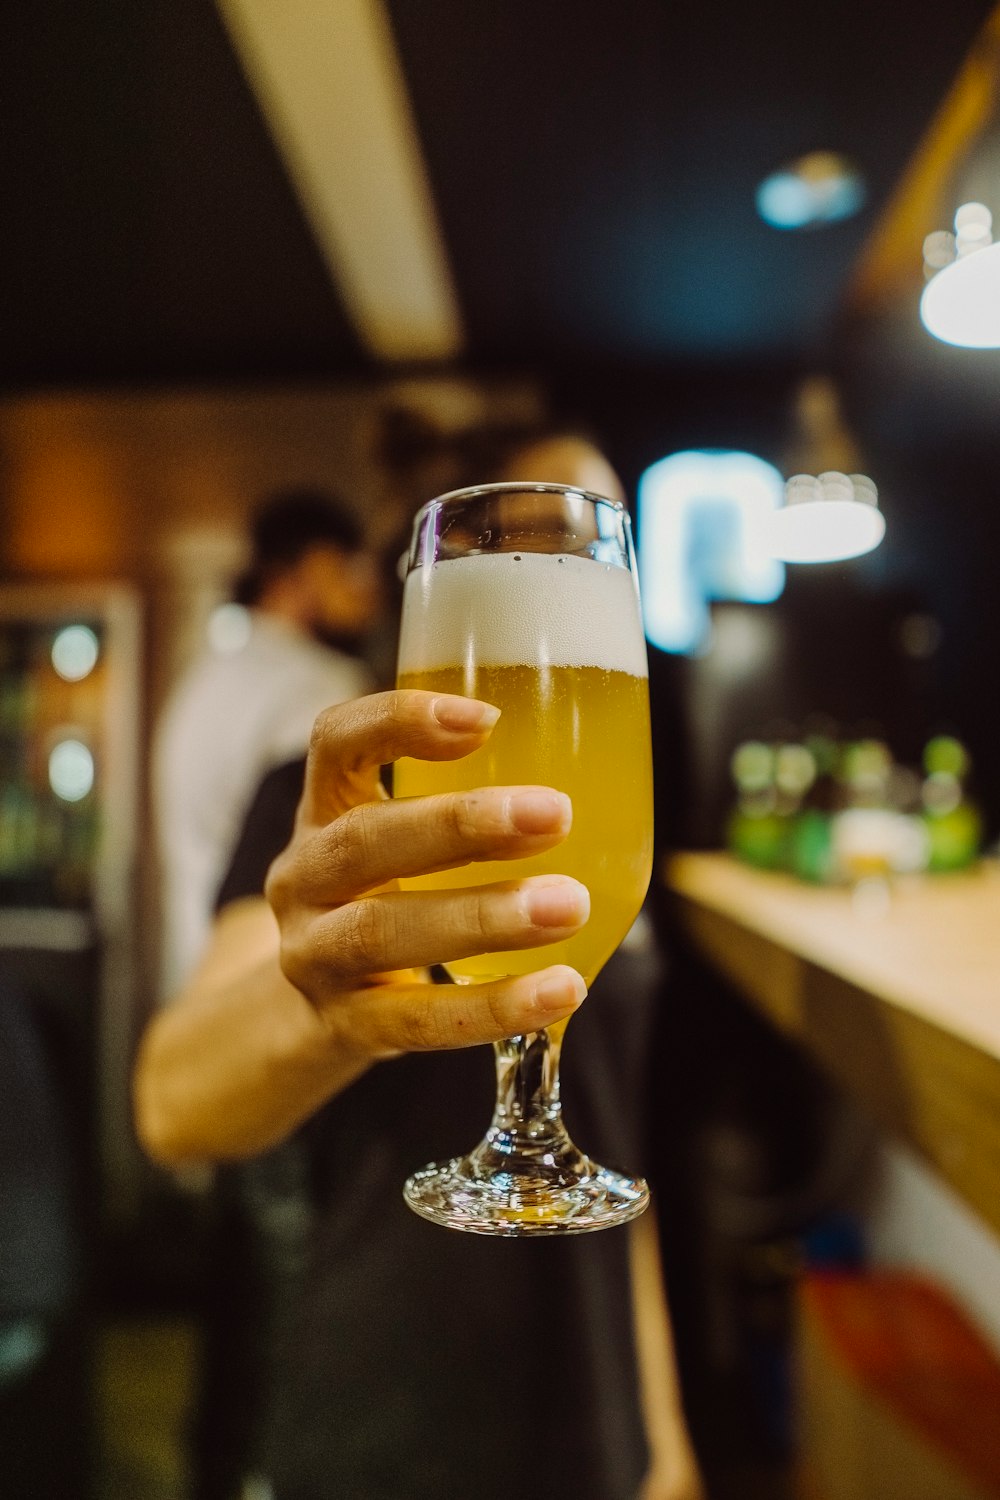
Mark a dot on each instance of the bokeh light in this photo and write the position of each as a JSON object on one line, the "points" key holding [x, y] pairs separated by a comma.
{"points": [[74, 652], [820, 188], [71, 770]]}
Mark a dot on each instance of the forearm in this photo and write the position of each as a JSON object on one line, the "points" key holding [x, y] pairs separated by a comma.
{"points": [[238, 1060]]}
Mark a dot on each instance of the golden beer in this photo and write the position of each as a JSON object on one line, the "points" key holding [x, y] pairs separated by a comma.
{"points": [[576, 720], [582, 730]]}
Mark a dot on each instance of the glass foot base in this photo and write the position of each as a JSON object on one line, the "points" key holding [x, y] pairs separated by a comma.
{"points": [[458, 1196]]}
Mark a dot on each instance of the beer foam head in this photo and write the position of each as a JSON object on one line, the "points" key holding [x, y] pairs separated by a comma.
{"points": [[522, 609]]}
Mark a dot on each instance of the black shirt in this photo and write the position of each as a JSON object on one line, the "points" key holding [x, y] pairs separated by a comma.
{"points": [[399, 1360]]}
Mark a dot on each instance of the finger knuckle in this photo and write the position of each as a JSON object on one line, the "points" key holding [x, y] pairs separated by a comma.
{"points": [[327, 728], [410, 706], [345, 846], [291, 967], [496, 1009], [365, 936], [492, 915], [387, 714], [421, 1028], [278, 883], [358, 835], [296, 960], [316, 956], [465, 817]]}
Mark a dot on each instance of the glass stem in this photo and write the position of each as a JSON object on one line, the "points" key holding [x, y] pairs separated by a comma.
{"points": [[527, 1135], [528, 1083]]}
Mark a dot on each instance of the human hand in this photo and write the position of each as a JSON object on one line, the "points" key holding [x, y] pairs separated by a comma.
{"points": [[351, 940]]}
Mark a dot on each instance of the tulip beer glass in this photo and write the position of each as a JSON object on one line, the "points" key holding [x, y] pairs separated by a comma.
{"points": [[525, 596]]}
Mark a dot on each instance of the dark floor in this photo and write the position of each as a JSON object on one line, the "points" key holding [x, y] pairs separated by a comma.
{"points": [[145, 1382], [107, 1413]]}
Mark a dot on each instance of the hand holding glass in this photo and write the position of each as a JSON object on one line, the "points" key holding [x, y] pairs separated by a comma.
{"points": [[525, 596]]}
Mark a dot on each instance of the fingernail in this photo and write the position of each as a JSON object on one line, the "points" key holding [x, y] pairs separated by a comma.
{"points": [[540, 811], [464, 715], [565, 904], [560, 991]]}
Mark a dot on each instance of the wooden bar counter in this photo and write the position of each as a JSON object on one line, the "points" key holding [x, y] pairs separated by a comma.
{"points": [[901, 1001]]}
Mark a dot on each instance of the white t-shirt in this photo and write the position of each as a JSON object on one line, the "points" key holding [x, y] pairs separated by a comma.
{"points": [[232, 717]]}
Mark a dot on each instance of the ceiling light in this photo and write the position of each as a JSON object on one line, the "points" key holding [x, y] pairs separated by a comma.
{"points": [[961, 301], [826, 519], [820, 188]]}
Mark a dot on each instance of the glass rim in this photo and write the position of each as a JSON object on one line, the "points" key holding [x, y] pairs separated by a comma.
{"points": [[515, 487]]}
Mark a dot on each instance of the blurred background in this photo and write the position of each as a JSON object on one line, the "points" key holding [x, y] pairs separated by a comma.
{"points": [[361, 244]]}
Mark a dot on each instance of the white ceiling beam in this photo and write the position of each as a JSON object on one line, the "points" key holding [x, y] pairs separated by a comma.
{"points": [[331, 87]]}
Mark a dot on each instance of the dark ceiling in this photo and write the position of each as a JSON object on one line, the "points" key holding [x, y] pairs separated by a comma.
{"points": [[593, 164]]}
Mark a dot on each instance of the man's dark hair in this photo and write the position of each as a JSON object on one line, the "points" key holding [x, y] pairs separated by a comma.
{"points": [[287, 526]]}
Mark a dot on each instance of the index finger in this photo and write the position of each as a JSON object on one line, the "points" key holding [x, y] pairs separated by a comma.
{"points": [[351, 741]]}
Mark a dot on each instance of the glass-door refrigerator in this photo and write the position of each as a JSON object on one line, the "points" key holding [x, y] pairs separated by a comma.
{"points": [[69, 808], [69, 805]]}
